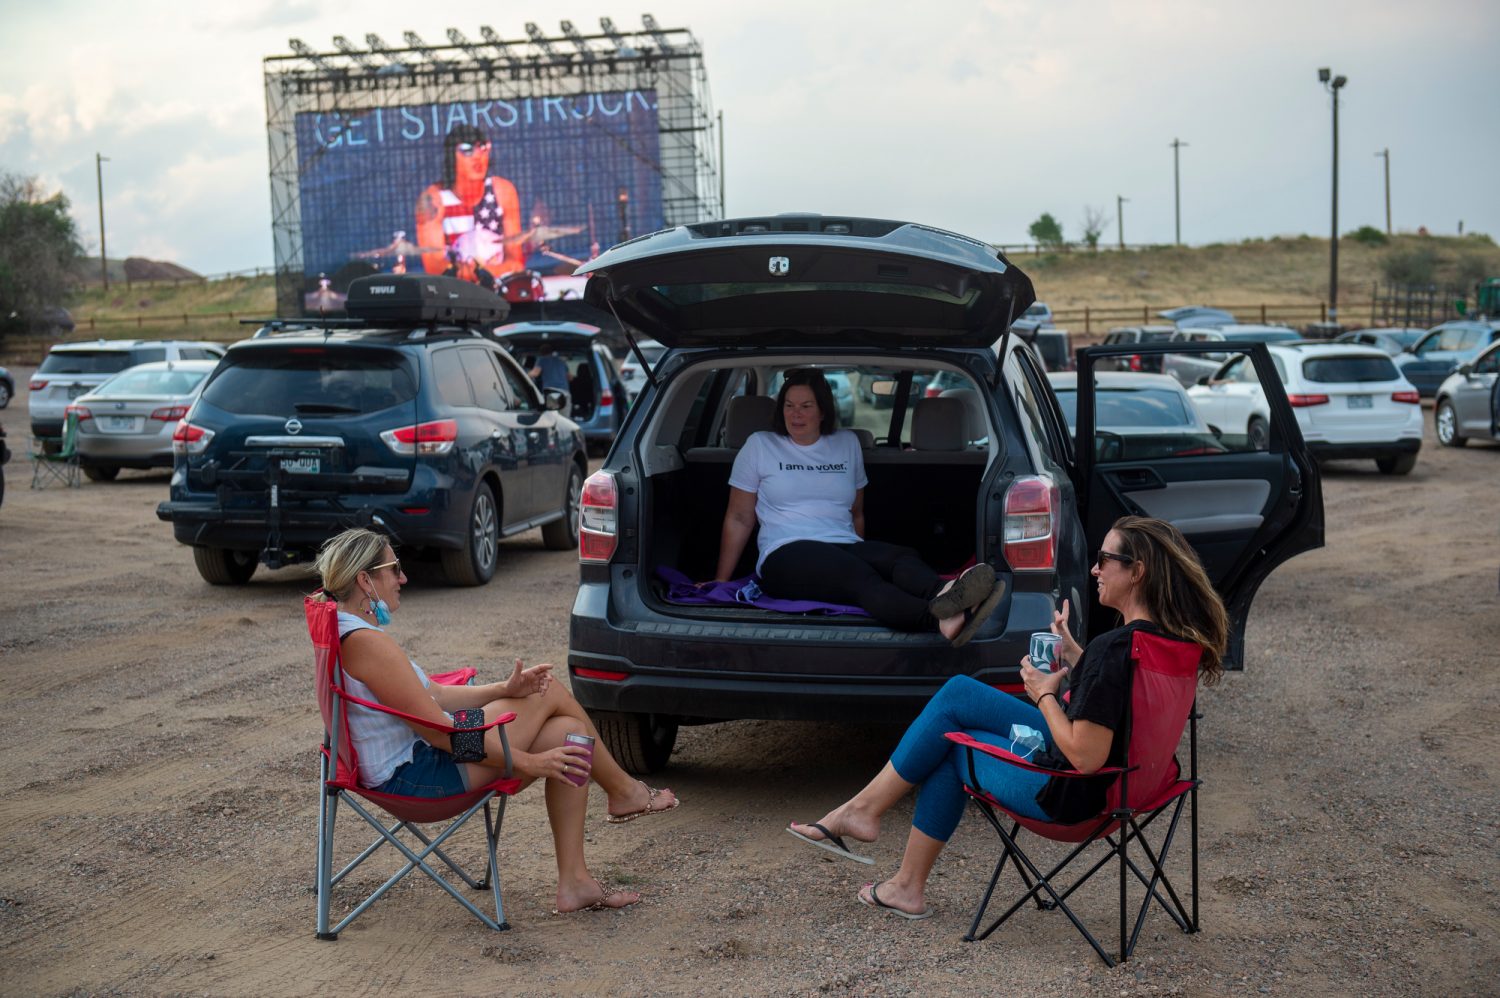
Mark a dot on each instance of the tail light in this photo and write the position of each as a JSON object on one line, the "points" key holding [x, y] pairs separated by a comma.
{"points": [[1303, 401], [37, 384], [1031, 510], [82, 412], [606, 397], [598, 519], [170, 413], [1415, 398], [427, 439], [1135, 362], [190, 439]]}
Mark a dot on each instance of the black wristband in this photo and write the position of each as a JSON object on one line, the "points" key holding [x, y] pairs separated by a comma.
{"points": [[468, 743], [1044, 696]]}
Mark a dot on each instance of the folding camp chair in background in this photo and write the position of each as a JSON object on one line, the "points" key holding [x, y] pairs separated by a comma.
{"points": [[55, 459], [339, 783], [1163, 688]]}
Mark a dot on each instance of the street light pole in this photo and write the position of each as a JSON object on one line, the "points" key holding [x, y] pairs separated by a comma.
{"points": [[1120, 218], [99, 162], [1386, 155], [1177, 187], [1334, 85]]}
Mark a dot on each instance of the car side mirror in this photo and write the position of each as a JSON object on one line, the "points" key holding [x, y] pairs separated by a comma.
{"points": [[1467, 370], [554, 399], [1205, 379], [1218, 433]]}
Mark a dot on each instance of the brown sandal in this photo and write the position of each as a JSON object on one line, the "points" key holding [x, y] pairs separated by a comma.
{"points": [[651, 794]]}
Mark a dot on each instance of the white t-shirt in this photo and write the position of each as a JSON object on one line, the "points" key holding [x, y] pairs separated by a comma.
{"points": [[801, 493]]}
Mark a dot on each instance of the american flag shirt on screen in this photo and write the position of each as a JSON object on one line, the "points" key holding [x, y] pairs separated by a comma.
{"points": [[476, 234]]}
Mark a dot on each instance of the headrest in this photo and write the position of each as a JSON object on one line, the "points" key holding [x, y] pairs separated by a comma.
{"points": [[975, 425], [938, 424], [866, 438], [745, 415]]}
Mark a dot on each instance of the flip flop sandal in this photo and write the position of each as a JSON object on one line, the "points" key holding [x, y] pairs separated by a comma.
{"points": [[599, 905], [833, 843], [967, 592], [651, 794], [974, 619], [873, 901]]}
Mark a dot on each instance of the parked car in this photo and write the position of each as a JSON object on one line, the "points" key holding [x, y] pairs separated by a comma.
{"points": [[7, 388], [1393, 339], [71, 369], [413, 422], [1191, 316], [4, 458], [1054, 346], [1188, 369], [1037, 316], [1350, 401], [1138, 416], [1468, 401], [988, 474], [631, 371], [1438, 354], [596, 391], [1150, 363], [128, 421]]}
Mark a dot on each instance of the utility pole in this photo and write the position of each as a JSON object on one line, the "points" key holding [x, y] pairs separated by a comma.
{"points": [[1334, 84], [723, 210], [1120, 218], [1386, 155], [1177, 187], [99, 162]]}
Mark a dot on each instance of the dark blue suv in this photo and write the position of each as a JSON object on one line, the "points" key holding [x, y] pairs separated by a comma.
{"points": [[409, 419]]}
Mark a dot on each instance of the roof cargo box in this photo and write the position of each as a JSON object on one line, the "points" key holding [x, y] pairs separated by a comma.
{"points": [[419, 298]]}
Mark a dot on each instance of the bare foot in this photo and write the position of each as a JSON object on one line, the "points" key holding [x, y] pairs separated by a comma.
{"points": [[845, 821], [590, 895], [639, 799], [949, 627]]}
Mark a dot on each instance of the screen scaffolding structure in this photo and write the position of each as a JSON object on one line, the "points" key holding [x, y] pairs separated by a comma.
{"points": [[352, 80]]}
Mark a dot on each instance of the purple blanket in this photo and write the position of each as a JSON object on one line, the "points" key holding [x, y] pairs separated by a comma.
{"points": [[743, 592]]}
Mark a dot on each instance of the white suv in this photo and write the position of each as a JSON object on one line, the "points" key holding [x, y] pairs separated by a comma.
{"points": [[1350, 402], [70, 369]]}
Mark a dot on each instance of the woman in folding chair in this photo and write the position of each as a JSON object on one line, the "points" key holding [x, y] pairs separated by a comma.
{"points": [[361, 572], [1149, 573]]}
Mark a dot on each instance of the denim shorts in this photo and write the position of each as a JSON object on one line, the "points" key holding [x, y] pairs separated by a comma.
{"points": [[431, 773]]}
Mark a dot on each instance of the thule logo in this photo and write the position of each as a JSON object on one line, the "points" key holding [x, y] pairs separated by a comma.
{"points": [[382, 289]]}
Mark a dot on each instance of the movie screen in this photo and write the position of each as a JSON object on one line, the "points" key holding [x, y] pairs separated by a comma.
{"points": [[512, 195]]}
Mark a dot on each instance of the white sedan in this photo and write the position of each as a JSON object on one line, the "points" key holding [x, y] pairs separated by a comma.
{"points": [[1350, 401]]}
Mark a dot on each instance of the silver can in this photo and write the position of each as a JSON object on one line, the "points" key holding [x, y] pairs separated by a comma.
{"points": [[1044, 648]]}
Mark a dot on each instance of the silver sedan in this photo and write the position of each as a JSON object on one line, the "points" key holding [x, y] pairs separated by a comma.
{"points": [[128, 421], [1468, 401]]}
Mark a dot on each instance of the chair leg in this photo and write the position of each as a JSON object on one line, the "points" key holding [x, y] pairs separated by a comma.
{"points": [[327, 810], [492, 840]]}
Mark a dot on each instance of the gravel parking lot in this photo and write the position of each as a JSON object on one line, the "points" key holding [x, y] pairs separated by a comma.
{"points": [[157, 799]]}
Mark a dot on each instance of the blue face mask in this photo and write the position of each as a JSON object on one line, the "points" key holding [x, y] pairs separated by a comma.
{"points": [[380, 608]]}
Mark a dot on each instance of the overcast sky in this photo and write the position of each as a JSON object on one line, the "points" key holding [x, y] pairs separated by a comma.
{"points": [[973, 115]]}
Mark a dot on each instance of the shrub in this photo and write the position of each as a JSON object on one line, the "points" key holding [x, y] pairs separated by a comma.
{"points": [[1367, 235], [1046, 231], [1417, 265]]}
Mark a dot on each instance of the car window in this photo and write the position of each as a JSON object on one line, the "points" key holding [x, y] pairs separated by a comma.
{"points": [[1348, 369], [1117, 407], [1450, 339], [197, 353], [1156, 335], [449, 379], [152, 383], [522, 393], [331, 382], [86, 362], [1046, 438], [1474, 338], [1489, 363], [147, 355], [489, 392]]}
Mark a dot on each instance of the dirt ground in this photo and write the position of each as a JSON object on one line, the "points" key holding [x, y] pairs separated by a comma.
{"points": [[157, 796]]}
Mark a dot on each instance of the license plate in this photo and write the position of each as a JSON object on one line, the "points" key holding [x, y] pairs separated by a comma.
{"points": [[76, 390], [119, 423], [1361, 401], [301, 465]]}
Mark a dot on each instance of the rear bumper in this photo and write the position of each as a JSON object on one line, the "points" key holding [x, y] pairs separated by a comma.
{"points": [[1389, 448]]}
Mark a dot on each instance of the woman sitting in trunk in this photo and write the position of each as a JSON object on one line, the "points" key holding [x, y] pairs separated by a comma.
{"points": [[804, 482]]}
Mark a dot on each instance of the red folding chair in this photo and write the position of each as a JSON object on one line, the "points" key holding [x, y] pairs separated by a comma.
{"points": [[339, 769], [1163, 689]]}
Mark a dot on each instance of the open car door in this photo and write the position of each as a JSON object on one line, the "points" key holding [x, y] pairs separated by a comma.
{"points": [[1246, 505]]}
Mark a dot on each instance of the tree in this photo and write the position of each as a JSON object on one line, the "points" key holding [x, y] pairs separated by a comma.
{"points": [[1046, 231], [1095, 221], [39, 249]]}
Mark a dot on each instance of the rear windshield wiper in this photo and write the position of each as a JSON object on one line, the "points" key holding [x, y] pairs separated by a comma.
{"points": [[328, 407]]}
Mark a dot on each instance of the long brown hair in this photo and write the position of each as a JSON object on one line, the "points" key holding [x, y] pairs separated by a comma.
{"points": [[1176, 590]]}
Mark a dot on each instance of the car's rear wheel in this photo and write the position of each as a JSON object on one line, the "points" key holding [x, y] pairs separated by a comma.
{"points": [[222, 567], [1258, 434], [1445, 421], [101, 472], [474, 563], [561, 535], [642, 743], [1401, 464]]}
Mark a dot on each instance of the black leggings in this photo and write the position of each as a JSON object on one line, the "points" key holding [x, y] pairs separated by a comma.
{"points": [[888, 581]]}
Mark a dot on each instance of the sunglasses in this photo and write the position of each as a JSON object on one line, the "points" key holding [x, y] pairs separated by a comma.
{"points": [[389, 564], [469, 148], [1102, 556]]}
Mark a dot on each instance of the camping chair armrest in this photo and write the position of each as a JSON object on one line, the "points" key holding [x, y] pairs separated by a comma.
{"points": [[1010, 758], [458, 677], [500, 719]]}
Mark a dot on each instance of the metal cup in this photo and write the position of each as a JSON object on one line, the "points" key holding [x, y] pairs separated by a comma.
{"points": [[587, 741], [1044, 646]]}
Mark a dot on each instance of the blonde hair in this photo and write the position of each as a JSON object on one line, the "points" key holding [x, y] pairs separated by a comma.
{"points": [[344, 556], [1176, 590]]}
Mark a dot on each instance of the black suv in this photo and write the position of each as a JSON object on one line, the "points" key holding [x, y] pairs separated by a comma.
{"points": [[986, 470], [408, 417]]}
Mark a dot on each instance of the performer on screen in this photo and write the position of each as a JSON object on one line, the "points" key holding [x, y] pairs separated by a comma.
{"points": [[474, 216]]}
